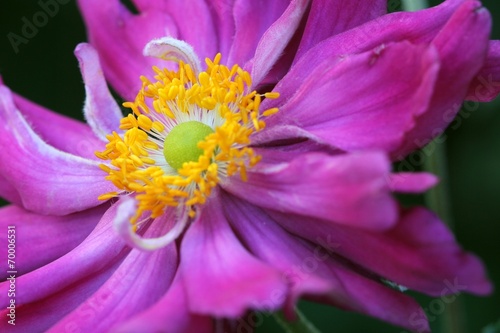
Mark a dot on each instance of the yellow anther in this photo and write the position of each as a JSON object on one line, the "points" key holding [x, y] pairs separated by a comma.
{"points": [[159, 127], [107, 196], [144, 122], [270, 112], [217, 58], [137, 161], [272, 95], [208, 103], [204, 79], [172, 92]]}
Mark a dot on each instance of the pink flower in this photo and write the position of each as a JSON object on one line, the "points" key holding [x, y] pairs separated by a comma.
{"points": [[287, 200]]}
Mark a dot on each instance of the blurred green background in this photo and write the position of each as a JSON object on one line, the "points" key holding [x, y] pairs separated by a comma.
{"points": [[46, 71]]}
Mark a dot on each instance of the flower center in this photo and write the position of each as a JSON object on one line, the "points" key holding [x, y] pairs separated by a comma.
{"points": [[181, 143], [187, 131]]}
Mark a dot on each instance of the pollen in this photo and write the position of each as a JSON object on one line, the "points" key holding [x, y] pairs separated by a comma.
{"points": [[186, 132]]}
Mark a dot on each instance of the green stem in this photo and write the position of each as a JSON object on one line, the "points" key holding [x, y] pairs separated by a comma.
{"points": [[300, 325], [414, 5], [438, 200]]}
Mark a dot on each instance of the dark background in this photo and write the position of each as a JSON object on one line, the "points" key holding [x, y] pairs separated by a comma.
{"points": [[45, 71]]}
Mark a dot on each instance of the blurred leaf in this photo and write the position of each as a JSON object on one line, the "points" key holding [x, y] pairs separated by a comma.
{"points": [[493, 328], [300, 325]]}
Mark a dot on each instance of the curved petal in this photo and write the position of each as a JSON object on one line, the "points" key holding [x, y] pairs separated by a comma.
{"points": [[275, 40], [314, 270], [169, 313], [48, 180], [50, 237], [457, 29], [250, 27], [221, 278], [412, 182], [328, 18], [419, 252], [100, 110], [40, 315], [281, 64], [59, 131], [362, 101], [127, 208], [172, 49], [416, 27], [193, 22], [486, 85], [462, 45], [225, 28], [120, 37], [348, 189], [100, 251], [283, 135], [137, 283], [272, 155]]}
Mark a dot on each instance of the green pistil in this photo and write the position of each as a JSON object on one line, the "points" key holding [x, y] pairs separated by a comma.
{"points": [[181, 144]]}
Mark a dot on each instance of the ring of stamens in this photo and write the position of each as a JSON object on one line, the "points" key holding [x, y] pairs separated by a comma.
{"points": [[219, 98]]}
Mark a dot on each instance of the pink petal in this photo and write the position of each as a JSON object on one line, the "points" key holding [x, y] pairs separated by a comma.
{"points": [[119, 37], [48, 294], [49, 181], [221, 278], [100, 251], [225, 28], [249, 27], [169, 313], [278, 154], [328, 18], [49, 237], [280, 136], [137, 283], [281, 64], [462, 28], [59, 131], [175, 216], [486, 85], [462, 45], [100, 110], [196, 28], [314, 270], [39, 316], [419, 252], [175, 50], [412, 182], [349, 189], [275, 39], [416, 27], [9, 192], [350, 116]]}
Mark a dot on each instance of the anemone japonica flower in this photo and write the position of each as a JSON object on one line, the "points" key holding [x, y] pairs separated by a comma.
{"points": [[245, 181]]}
